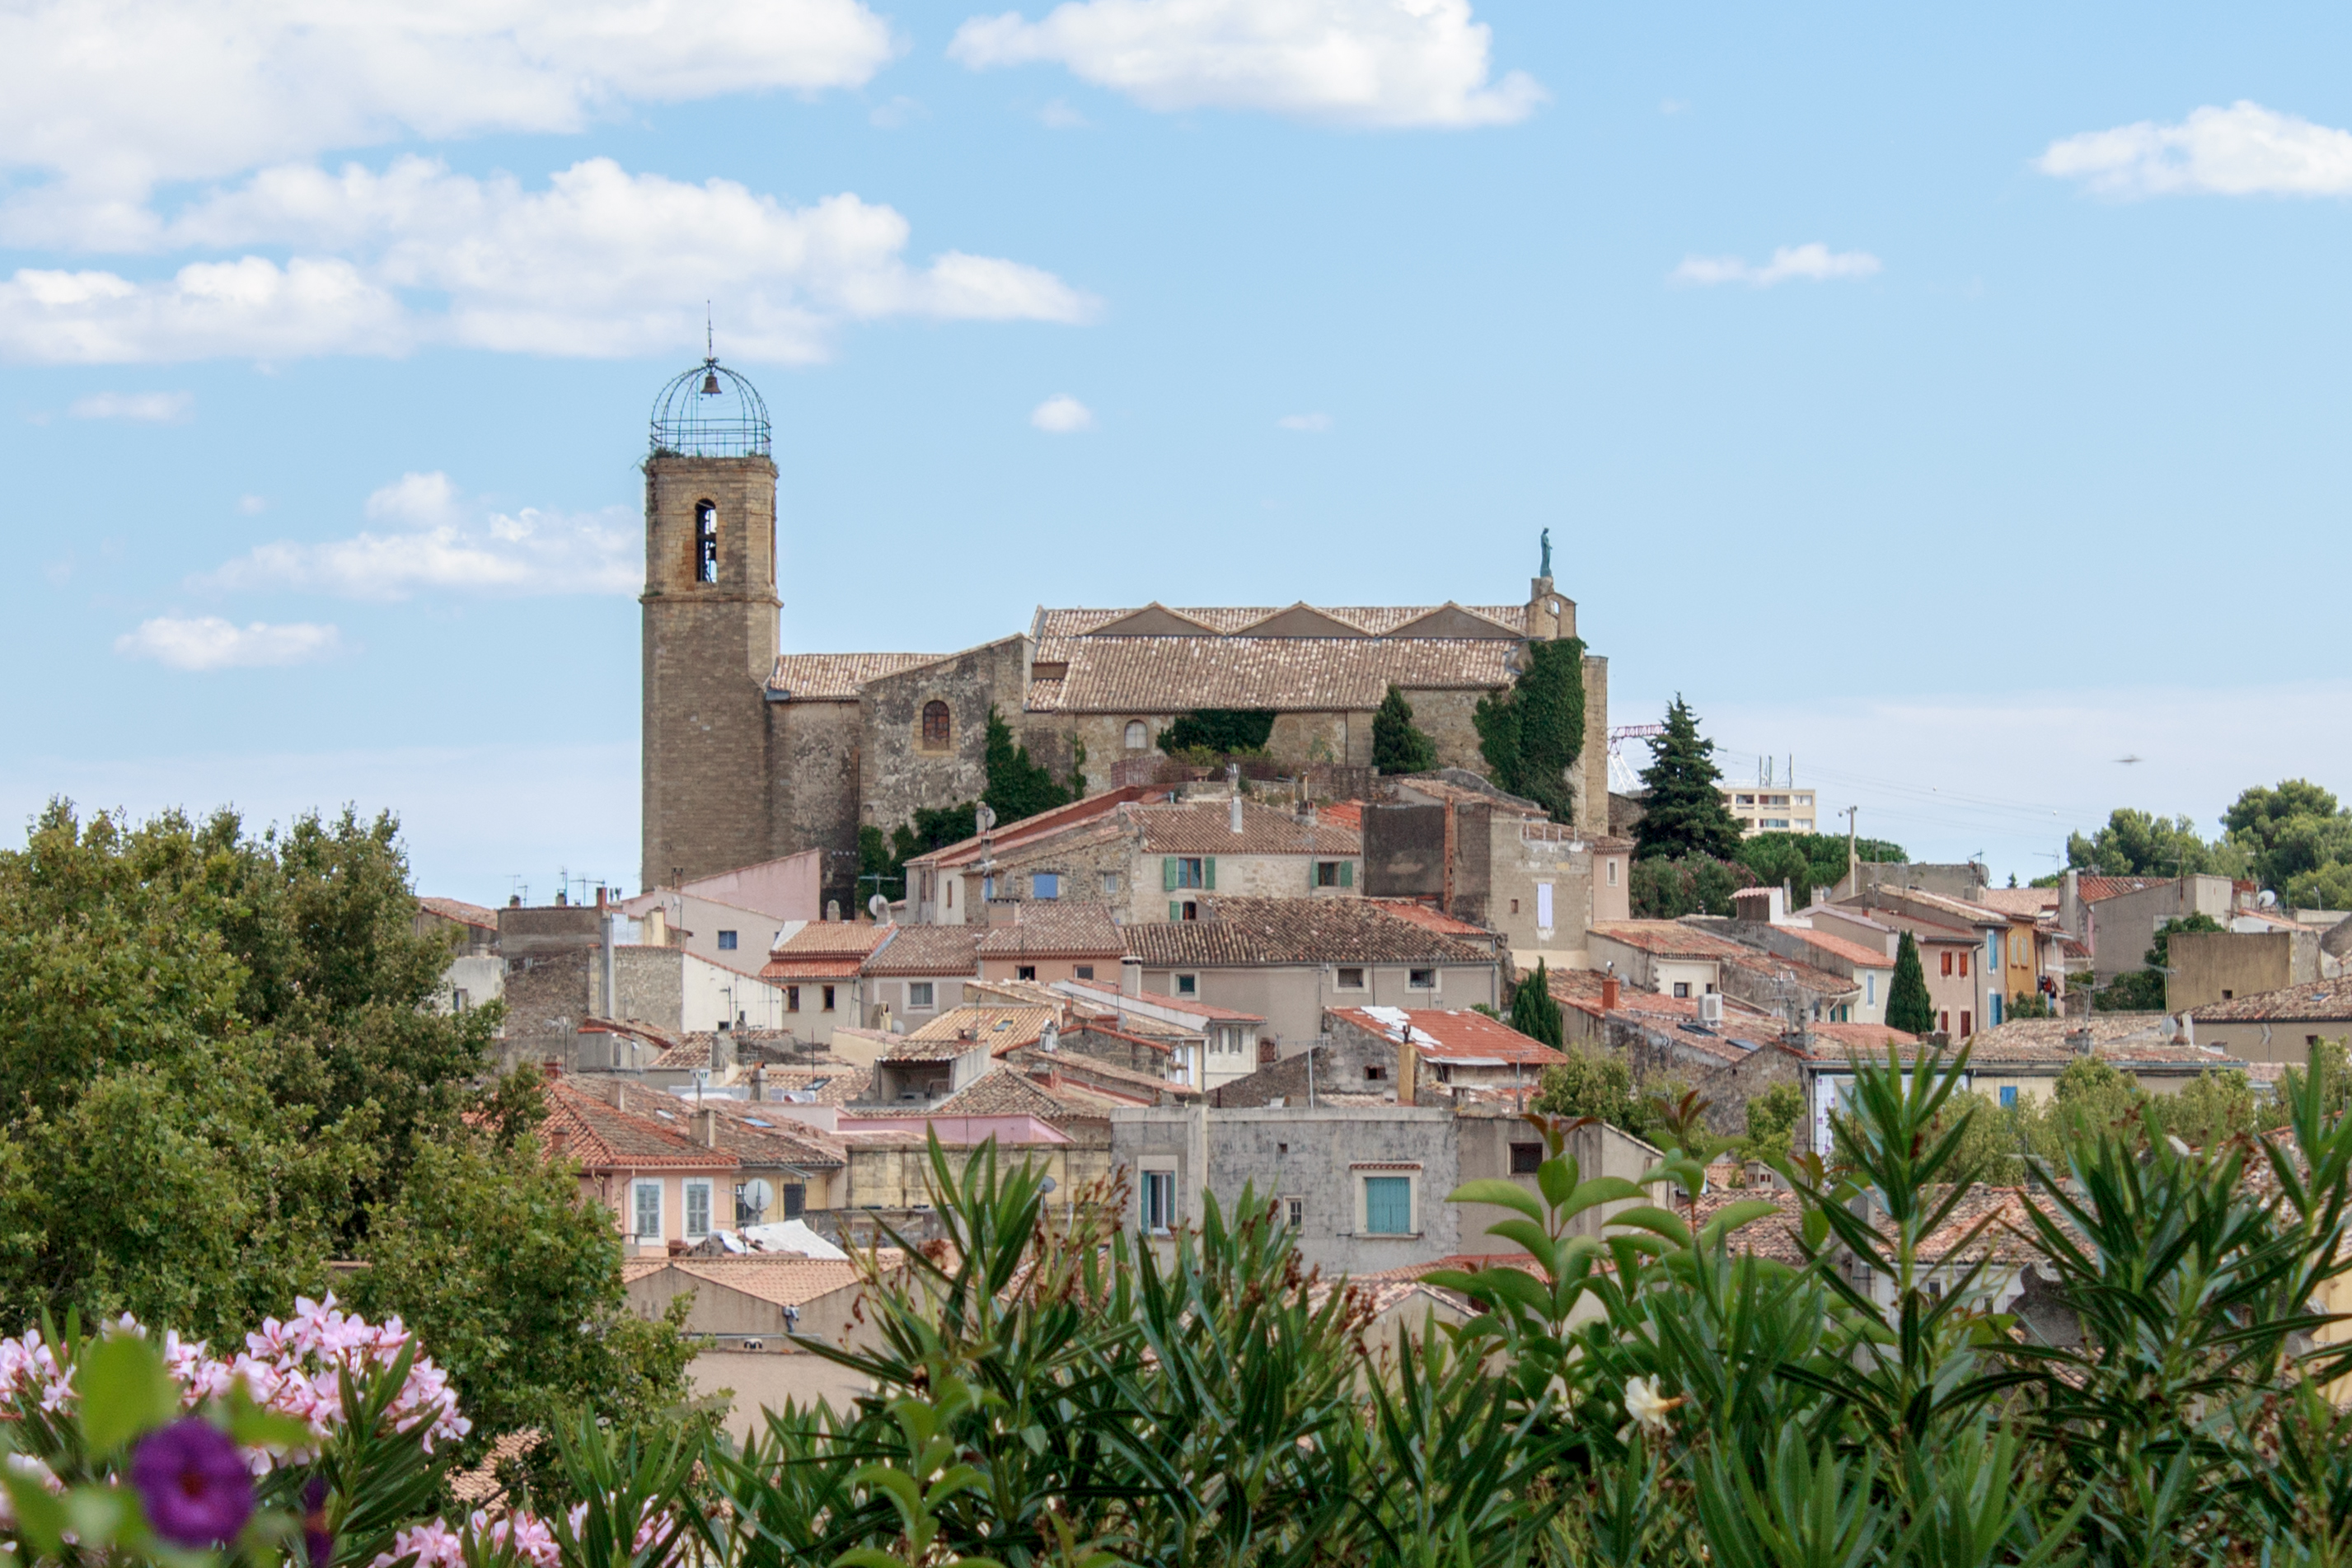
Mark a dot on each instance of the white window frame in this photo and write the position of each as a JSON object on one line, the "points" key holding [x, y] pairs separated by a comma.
{"points": [[920, 995], [638, 1190], [1340, 977], [686, 1204], [1158, 1175], [1412, 1179], [1188, 986]]}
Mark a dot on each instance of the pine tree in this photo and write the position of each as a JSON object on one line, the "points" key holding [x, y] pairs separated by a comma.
{"points": [[1534, 1013], [1908, 1006], [1398, 745], [1684, 813]]}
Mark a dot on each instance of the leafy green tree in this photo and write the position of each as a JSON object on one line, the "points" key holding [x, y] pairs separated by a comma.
{"points": [[1533, 735], [2327, 1062], [1399, 745], [1809, 860], [2214, 1106], [1534, 1011], [1908, 1006], [1593, 1084], [1693, 884], [2292, 832], [1994, 1139], [1220, 731], [1017, 787], [2329, 887], [2090, 1097], [1683, 811], [1773, 1118], [490, 1254], [2136, 843], [2030, 1005]]}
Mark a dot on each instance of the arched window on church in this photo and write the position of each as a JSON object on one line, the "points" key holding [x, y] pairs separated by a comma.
{"points": [[1138, 736], [706, 542], [936, 726]]}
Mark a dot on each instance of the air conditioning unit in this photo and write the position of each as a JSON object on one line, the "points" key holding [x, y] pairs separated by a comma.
{"points": [[1710, 1007]]}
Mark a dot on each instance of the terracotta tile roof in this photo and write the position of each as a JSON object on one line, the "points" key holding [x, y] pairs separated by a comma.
{"points": [[835, 677], [927, 951], [934, 1048], [1432, 918], [694, 1052], [812, 967], [458, 910], [1003, 1091], [756, 1137], [1460, 787], [1774, 1236], [2106, 1029], [1840, 947], [1009, 836], [1373, 620], [1460, 1038], [1773, 967], [1668, 938], [661, 1040], [834, 1084], [2018, 900], [1000, 1029], [1237, 931], [1051, 928], [1205, 827], [601, 1136], [1171, 675], [855, 937], [2315, 1001], [1111, 1075], [1850, 1037], [2094, 889], [1968, 910], [1348, 814], [783, 1282], [1203, 1010]]}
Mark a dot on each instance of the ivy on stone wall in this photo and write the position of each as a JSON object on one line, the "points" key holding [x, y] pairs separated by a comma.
{"points": [[1017, 787], [1533, 735]]}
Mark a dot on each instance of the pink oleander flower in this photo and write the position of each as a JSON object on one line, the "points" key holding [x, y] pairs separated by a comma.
{"points": [[434, 1542], [532, 1542]]}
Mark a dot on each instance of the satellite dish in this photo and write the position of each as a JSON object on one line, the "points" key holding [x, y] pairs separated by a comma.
{"points": [[757, 1195], [983, 819], [878, 907]]}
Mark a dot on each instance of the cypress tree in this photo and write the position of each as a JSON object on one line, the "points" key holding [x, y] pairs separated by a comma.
{"points": [[1908, 1006], [1534, 1013], [1398, 745], [1017, 787], [1685, 812]]}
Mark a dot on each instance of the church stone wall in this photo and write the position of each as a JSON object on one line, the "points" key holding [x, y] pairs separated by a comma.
{"points": [[815, 748], [1593, 794], [1444, 717], [898, 775]]}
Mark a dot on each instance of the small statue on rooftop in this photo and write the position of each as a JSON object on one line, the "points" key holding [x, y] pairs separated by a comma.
{"points": [[1547, 554]]}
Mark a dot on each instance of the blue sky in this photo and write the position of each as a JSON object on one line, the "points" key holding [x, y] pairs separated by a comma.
{"points": [[1951, 401]]}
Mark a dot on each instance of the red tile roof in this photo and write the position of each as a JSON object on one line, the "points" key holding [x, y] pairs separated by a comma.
{"points": [[1430, 918], [2093, 889], [927, 950], [833, 936], [1851, 951], [835, 677], [603, 1137], [1237, 931], [458, 910], [2316, 1001], [1205, 827], [1446, 1035], [807, 966], [1052, 928]]}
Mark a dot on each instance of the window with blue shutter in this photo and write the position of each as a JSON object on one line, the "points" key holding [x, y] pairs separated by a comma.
{"points": [[1387, 1206], [2009, 1095]]}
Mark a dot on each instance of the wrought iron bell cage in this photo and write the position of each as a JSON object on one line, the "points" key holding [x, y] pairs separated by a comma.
{"points": [[711, 412]]}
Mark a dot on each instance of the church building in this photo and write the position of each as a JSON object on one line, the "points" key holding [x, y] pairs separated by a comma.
{"points": [[751, 754]]}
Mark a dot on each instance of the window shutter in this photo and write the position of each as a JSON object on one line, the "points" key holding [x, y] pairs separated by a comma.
{"points": [[1175, 910], [1346, 873], [1168, 873], [1209, 872]]}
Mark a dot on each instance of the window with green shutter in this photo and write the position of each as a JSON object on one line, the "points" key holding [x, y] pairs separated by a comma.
{"points": [[1346, 873], [1209, 873], [1168, 873], [1387, 1206]]}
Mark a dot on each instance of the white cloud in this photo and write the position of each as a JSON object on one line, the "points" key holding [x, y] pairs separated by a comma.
{"points": [[1343, 62], [1059, 115], [1815, 262], [601, 263], [1061, 414], [438, 541], [253, 506], [2241, 151], [114, 95], [1309, 423], [209, 642], [155, 408]]}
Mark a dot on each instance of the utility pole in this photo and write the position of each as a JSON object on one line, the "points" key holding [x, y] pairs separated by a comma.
{"points": [[1853, 854]]}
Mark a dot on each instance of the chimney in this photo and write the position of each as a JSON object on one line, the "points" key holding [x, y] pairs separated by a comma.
{"points": [[620, 1096], [1130, 977], [1235, 822], [1408, 1068], [760, 1083], [1609, 994], [705, 1128], [600, 901], [2078, 1041]]}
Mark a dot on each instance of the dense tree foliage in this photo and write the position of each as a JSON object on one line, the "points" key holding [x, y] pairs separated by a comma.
{"points": [[221, 1072], [1683, 810], [1017, 787], [1399, 745], [1533, 1012], [1533, 735], [882, 860], [1662, 889], [2294, 840], [1599, 1084], [1908, 1006], [2142, 990], [1808, 860], [1219, 732], [2138, 843]]}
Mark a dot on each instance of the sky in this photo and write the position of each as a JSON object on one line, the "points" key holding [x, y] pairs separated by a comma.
{"points": [[1946, 404]]}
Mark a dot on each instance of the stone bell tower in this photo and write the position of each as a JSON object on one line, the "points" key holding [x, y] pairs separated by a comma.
{"points": [[710, 624]]}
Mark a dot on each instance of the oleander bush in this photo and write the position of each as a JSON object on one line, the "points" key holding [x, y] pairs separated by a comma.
{"points": [[1652, 1390]]}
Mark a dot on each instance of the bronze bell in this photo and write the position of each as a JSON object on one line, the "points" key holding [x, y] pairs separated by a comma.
{"points": [[710, 383]]}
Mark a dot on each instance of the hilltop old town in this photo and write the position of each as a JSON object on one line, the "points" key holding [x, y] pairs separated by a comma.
{"points": [[1309, 902]]}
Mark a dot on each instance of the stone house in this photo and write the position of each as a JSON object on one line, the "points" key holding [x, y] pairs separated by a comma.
{"points": [[1497, 861], [1690, 958], [802, 1166], [1448, 1048], [1050, 941], [2280, 1026], [660, 1184], [1287, 959], [817, 972], [1363, 1186], [1226, 1037], [2222, 966], [1138, 855], [918, 972]]}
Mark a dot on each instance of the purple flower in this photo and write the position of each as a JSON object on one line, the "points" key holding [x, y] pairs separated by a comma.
{"points": [[194, 1483], [318, 1541]]}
